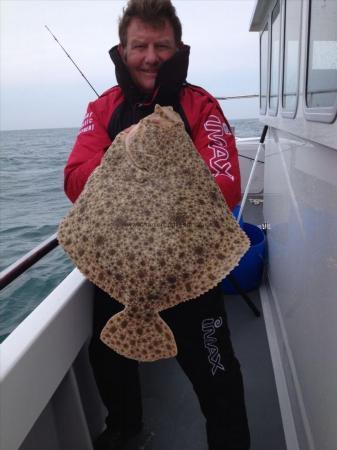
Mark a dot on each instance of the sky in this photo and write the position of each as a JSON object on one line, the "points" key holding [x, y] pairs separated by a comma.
{"points": [[40, 87]]}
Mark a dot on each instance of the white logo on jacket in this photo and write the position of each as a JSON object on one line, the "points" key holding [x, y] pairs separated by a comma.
{"points": [[216, 131], [87, 124]]}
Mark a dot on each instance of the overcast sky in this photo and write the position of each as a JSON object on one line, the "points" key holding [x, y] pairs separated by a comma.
{"points": [[40, 88]]}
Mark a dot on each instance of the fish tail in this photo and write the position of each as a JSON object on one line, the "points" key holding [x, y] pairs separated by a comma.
{"points": [[143, 336]]}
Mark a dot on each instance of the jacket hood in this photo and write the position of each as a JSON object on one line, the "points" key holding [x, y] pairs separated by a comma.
{"points": [[171, 75]]}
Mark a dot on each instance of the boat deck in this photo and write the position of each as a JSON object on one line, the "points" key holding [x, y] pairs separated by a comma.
{"points": [[172, 414]]}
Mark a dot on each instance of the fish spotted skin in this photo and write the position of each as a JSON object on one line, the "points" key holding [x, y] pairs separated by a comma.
{"points": [[152, 229]]}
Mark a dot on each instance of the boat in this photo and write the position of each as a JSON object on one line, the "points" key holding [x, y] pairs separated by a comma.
{"points": [[48, 396]]}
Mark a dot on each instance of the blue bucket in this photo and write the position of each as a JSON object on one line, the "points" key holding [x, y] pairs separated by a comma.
{"points": [[249, 271]]}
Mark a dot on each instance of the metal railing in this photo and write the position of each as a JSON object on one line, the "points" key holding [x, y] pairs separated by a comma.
{"points": [[21, 265], [238, 97]]}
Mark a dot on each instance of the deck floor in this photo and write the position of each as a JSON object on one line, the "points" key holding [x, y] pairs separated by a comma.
{"points": [[172, 414], [171, 409]]}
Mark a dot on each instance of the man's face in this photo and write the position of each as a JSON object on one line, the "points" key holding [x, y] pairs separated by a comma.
{"points": [[146, 50]]}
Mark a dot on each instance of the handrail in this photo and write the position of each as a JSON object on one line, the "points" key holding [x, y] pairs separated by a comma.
{"points": [[239, 140], [238, 96], [21, 265]]}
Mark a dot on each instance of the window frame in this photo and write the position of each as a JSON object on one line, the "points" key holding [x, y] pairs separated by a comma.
{"points": [[274, 112], [285, 113], [263, 112], [325, 114]]}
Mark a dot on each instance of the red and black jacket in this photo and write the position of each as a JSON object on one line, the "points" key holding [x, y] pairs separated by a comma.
{"points": [[124, 105]]}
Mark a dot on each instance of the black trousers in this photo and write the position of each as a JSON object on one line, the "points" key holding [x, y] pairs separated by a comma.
{"points": [[205, 354]]}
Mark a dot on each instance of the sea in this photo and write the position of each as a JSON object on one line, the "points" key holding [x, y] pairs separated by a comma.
{"points": [[32, 203]]}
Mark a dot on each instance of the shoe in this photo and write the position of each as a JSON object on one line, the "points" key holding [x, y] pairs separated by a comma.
{"points": [[110, 440]]}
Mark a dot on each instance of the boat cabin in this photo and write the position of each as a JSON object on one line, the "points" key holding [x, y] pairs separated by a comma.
{"points": [[298, 102]]}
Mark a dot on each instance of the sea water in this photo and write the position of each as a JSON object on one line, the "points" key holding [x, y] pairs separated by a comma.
{"points": [[32, 203]]}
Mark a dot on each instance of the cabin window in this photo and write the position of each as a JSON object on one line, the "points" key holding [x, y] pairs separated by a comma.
{"points": [[275, 58], [292, 30], [322, 55], [263, 70]]}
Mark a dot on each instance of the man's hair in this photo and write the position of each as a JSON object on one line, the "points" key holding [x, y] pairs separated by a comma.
{"points": [[152, 12]]}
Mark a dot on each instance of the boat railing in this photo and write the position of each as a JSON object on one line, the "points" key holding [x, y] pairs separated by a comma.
{"points": [[247, 140], [25, 262], [235, 97]]}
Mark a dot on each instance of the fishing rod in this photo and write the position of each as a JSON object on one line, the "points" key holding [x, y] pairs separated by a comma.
{"points": [[65, 51]]}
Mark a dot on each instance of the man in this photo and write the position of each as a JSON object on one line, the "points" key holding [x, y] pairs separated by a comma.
{"points": [[151, 67]]}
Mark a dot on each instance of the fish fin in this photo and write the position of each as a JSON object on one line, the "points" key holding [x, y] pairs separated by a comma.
{"points": [[143, 336]]}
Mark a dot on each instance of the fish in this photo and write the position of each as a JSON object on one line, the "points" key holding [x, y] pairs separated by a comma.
{"points": [[152, 229]]}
